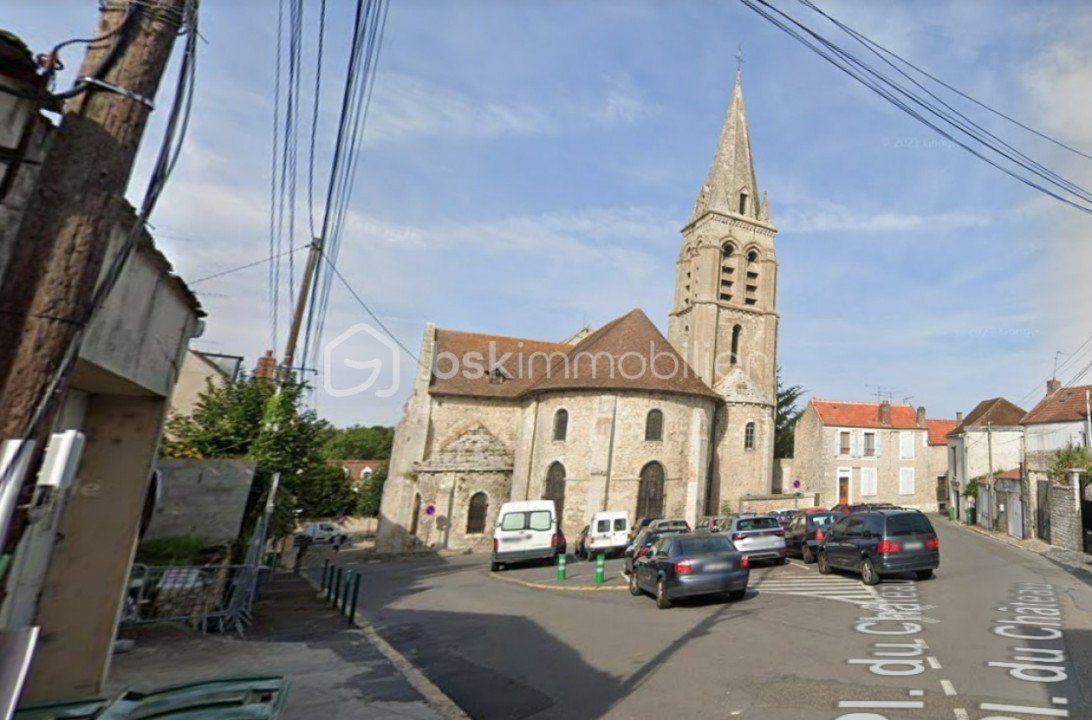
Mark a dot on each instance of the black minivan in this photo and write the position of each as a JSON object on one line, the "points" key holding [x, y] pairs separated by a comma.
{"points": [[881, 542]]}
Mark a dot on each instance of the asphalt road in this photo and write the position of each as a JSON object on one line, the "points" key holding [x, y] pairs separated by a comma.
{"points": [[799, 646]]}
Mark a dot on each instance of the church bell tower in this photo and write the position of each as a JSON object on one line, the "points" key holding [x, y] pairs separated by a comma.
{"points": [[724, 318]]}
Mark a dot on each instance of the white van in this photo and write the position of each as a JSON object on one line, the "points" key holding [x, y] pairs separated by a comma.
{"points": [[608, 532], [526, 530]]}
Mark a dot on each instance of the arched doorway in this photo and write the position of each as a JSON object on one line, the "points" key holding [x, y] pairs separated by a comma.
{"points": [[416, 514], [476, 513], [650, 491], [555, 488]]}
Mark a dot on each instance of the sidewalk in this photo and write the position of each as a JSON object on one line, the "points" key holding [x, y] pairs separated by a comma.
{"points": [[1078, 563], [335, 671]]}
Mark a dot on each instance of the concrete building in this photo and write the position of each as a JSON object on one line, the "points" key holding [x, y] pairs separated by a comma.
{"points": [[199, 371], [986, 440], [619, 418], [861, 452], [1061, 506], [117, 397], [203, 499]]}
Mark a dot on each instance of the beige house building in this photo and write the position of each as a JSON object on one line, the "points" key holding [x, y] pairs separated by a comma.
{"points": [[621, 418], [861, 452], [987, 440], [199, 371]]}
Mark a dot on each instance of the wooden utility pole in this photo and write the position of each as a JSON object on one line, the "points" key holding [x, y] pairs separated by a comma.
{"points": [[62, 241], [301, 305]]}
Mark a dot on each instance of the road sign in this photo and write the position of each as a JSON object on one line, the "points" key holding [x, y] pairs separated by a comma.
{"points": [[796, 483], [430, 510]]}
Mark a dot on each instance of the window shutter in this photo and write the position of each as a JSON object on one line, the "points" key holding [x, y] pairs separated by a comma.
{"points": [[906, 445], [855, 443], [879, 441], [868, 481], [906, 481], [837, 442]]}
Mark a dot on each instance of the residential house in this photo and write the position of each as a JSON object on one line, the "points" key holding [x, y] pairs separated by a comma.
{"points": [[938, 458], [987, 440], [1061, 505], [201, 370], [854, 452]]}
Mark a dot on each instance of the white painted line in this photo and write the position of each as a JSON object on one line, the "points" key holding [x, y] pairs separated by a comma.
{"points": [[949, 689], [1059, 701], [933, 662], [1047, 712], [883, 704], [961, 714], [917, 693]]}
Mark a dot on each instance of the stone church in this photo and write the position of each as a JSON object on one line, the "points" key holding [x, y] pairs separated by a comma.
{"points": [[617, 418]]}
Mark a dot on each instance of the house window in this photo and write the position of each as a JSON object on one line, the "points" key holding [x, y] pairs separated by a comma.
{"points": [[906, 445], [654, 425], [906, 481], [475, 515], [844, 438], [749, 436], [868, 481], [650, 491], [737, 331], [870, 444], [561, 425]]}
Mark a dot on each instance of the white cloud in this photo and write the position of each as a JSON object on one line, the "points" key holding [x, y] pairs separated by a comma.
{"points": [[831, 217]]}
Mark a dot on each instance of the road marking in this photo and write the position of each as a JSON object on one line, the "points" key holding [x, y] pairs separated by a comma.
{"points": [[815, 585], [1048, 712], [883, 704], [961, 714], [949, 689], [933, 662], [916, 693]]}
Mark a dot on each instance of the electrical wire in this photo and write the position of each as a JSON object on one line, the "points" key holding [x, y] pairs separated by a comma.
{"points": [[236, 269], [314, 120]]}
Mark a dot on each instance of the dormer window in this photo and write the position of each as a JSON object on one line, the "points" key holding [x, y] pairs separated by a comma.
{"points": [[498, 375]]}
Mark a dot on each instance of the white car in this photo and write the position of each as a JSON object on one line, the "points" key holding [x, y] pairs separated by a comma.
{"points": [[608, 533], [759, 537], [321, 532], [525, 530]]}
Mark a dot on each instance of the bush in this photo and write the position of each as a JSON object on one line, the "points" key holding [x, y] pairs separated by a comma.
{"points": [[178, 550]]}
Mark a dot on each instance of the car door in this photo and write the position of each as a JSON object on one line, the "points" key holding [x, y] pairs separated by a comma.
{"points": [[850, 549], [871, 534], [642, 566], [833, 544], [794, 534]]}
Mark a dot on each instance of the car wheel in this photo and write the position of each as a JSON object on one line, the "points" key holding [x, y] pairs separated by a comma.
{"points": [[924, 574], [781, 561], [737, 595], [494, 567], [807, 555], [824, 563], [634, 588], [662, 601], [869, 576]]}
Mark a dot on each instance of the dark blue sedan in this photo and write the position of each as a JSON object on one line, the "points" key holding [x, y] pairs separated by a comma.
{"points": [[690, 565]]}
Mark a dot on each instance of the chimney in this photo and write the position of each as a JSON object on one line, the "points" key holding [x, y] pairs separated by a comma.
{"points": [[921, 416], [959, 418], [885, 412], [1053, 386], [267, 366]]}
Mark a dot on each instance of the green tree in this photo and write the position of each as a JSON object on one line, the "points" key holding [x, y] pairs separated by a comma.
{"points": [[787, 415], [371, 493], [249, 419], [358, 442]]}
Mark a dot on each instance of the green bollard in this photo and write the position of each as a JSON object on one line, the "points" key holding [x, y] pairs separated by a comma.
{"points": [[561, 567], [600, 561]]}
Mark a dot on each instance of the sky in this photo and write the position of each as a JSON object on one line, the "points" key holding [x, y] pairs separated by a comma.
{"points": [[527, 168]]}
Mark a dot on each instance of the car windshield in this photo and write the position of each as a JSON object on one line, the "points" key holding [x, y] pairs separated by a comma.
{"points": [[821, 520], [705, 545], [758, 523], [908, 524]]}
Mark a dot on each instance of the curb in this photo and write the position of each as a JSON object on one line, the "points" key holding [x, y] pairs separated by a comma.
{"points": [[1019, 544], [556, 588], [433, 695]]}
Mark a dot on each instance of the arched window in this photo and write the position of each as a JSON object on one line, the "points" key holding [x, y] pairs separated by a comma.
{"points": [[416, 514], [727, 272], [750, 296], [737, 331], [555, 488], [476, 513], [650, 491], [561, 424], [749, 436], [654, 425]]}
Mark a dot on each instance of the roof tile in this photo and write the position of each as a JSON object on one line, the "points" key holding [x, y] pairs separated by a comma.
{"points": [[1065, 405]]}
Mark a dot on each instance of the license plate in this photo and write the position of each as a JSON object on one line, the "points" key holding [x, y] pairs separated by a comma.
{"points": [[916, 545], [714, 567]]}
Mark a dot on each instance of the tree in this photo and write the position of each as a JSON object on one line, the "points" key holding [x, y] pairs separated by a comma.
{"points": [[786, 417], [248, 418], [371, 493], [358, 442]]}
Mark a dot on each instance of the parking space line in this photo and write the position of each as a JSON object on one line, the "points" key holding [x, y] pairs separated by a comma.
{"points": [[961, 714], [949, 689], [933, 662]]}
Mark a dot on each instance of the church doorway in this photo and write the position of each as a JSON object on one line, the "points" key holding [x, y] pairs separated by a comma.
{"points": [[650, 491], [555, 489]]}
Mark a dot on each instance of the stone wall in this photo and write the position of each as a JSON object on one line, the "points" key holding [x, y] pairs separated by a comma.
{"points": [[201, 498], [770, 503], [1065, 514]]}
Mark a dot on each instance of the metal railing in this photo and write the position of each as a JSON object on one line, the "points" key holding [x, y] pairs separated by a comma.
{"points": [[341, 588]]}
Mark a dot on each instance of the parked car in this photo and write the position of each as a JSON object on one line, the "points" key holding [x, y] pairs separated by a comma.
{"points": [[321, 532], [642, 523], [578, 546], [881, 542], [669, 524], [713, 523], [689, 565], [847, 508], [642, 544], [525, 530], [608, 533], [805, 532], [784, 516], [759, 537]]}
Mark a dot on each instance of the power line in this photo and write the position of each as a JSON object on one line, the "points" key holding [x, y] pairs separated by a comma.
{"points": [[236, 269], [314, 120]]}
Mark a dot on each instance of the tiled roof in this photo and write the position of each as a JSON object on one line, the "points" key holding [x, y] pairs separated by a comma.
{"points": [[626, 353], [1065, 405], [864, 414], [939, 429], [995, 411], [1013, 474]]}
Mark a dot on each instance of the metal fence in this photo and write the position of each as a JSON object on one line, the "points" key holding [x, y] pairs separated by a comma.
{"points": [[206, 597]]}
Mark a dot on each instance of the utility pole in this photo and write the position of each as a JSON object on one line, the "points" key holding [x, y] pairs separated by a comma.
{"points": [[1087, 418], [62, 241], [313, 253], [989, 493]]}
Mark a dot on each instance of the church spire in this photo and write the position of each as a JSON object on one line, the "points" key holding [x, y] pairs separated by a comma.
{"points": [[731, 188]]}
